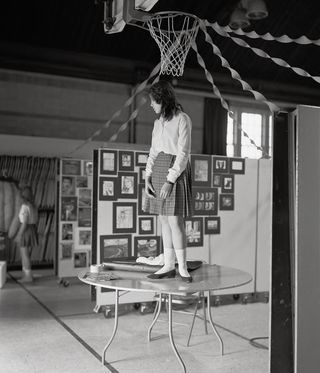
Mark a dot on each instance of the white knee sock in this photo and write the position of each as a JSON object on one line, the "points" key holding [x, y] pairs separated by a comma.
{"points": [[182, 262], [169, 260]]}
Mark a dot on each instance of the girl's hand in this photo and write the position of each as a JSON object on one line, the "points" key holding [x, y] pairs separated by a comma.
{"points": [[166, 190], [150, 192]]}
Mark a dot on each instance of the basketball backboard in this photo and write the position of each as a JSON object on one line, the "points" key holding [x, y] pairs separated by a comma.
{"points": [[118, 13]]}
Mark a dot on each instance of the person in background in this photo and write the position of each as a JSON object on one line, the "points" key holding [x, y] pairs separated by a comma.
{"points": [[168, 178], [27, 237]]}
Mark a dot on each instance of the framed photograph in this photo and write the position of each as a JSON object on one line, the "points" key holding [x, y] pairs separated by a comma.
{"points": [[84, 217], [201, 170], [108, 187], [216, 180], [81, 182], [146, 246], [71, 167], [67, 232], [146, 225], [85, 237], [68, 187], [220, 165], [226, 201], [128, 185], [108, 162], [69, 208], [227, 184], [212, 225], [80, 259], [141, 200], [205, 201], [126, 161], [141, 158], [84, 197], [142, 175], [194, 231], [112, 246], [124, 217], [237, 165], [87, 168], [66, 250]]}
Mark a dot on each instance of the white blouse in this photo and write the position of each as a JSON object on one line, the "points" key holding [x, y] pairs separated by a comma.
{"points": [[28, 214], [171, 137]]}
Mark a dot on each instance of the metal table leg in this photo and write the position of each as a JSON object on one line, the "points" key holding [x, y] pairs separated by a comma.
{"points": [[170, 334], [115, 327], [156, 315], [212, 324]]}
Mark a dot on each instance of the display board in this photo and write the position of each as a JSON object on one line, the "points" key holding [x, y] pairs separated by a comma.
{"points": [[75, 216], [226, 226]]}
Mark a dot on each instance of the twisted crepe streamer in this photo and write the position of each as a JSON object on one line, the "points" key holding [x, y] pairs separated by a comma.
{"points": [[224, 103], [133, 115], [235, 75], [139, 89], [261, 53], [281, 39]]}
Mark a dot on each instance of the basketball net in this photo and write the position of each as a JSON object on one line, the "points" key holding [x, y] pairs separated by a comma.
{"points": [[174, 33]]}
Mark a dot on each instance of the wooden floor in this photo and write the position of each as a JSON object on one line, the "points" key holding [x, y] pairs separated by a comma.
{"points": [[46, 327]]}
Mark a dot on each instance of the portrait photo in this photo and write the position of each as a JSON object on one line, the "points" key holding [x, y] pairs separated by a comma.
{"points": [[108, 187], [126, 161], [108, 162], [87, 168], [128, 185], [124, 217], [69, 208], [68, 186], [112, 247]]}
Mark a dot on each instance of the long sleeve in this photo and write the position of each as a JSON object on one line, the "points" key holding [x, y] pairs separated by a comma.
{"points": [[153, 152], [184, 149]]}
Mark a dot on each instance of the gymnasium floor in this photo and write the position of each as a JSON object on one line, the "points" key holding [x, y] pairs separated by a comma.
{"points": [[48, 328]]}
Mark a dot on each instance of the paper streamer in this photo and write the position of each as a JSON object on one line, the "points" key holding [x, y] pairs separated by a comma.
{"points": [[304, 40], [261, 53], [139, 89], [224, 103], [235, 75]]}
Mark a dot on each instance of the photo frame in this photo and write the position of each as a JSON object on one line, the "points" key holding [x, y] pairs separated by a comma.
{"points": [[124, 217], [85, 237], [141, 200], [194, 231], [237, 165], [146, 225], [127, 185], [84, 197], [69, 208], [205, 201], [212, 225], [142, 175], [68, 186], [115, 246], [227, 185], [66, 231], [201, 170], [146, 246], [80, 259], [216, 180], [87, 168], [126, 161], [141, 158], [226, 202], [71, 167], [108, 187], [220, 165], [66, 250], [84, 217], [108, 162], [81, 182]]}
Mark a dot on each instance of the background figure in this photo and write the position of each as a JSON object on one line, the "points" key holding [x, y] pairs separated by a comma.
{"points": [[27, 237], [168, 177]]}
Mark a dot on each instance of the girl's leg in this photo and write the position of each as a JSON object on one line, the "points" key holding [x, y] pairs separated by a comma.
{"points": [[168, 251], [26, 264], [179, 240]]}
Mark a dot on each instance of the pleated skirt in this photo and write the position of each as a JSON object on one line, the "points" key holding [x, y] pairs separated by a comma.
{"points": [[179, 203], [29, 237]]}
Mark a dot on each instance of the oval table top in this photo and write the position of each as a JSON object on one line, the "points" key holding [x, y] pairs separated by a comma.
{"points": [[207, 277]]}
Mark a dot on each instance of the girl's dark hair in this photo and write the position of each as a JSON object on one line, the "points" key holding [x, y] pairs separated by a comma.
{"points": [[163, 93], [27, 195]]}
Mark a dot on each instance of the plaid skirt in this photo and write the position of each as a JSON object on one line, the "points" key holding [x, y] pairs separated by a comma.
{"points": [[29, 237], [179, 203]]}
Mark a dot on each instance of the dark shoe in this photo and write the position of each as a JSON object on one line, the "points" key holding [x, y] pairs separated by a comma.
{"points": [[157, 276], [186, 279]]}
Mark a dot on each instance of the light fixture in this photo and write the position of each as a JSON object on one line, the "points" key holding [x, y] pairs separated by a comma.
{"points": [[245, 11], [256, 9], [238, 18]]}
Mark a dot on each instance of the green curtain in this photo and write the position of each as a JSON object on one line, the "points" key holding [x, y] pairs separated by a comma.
{"points": [[215, 127]]}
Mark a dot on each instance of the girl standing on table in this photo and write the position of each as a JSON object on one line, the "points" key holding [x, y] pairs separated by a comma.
{"points": [[168, 178], [27, 237]]}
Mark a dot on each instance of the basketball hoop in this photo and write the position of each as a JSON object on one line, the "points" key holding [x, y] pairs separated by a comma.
{"points": [[173, 32]]}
